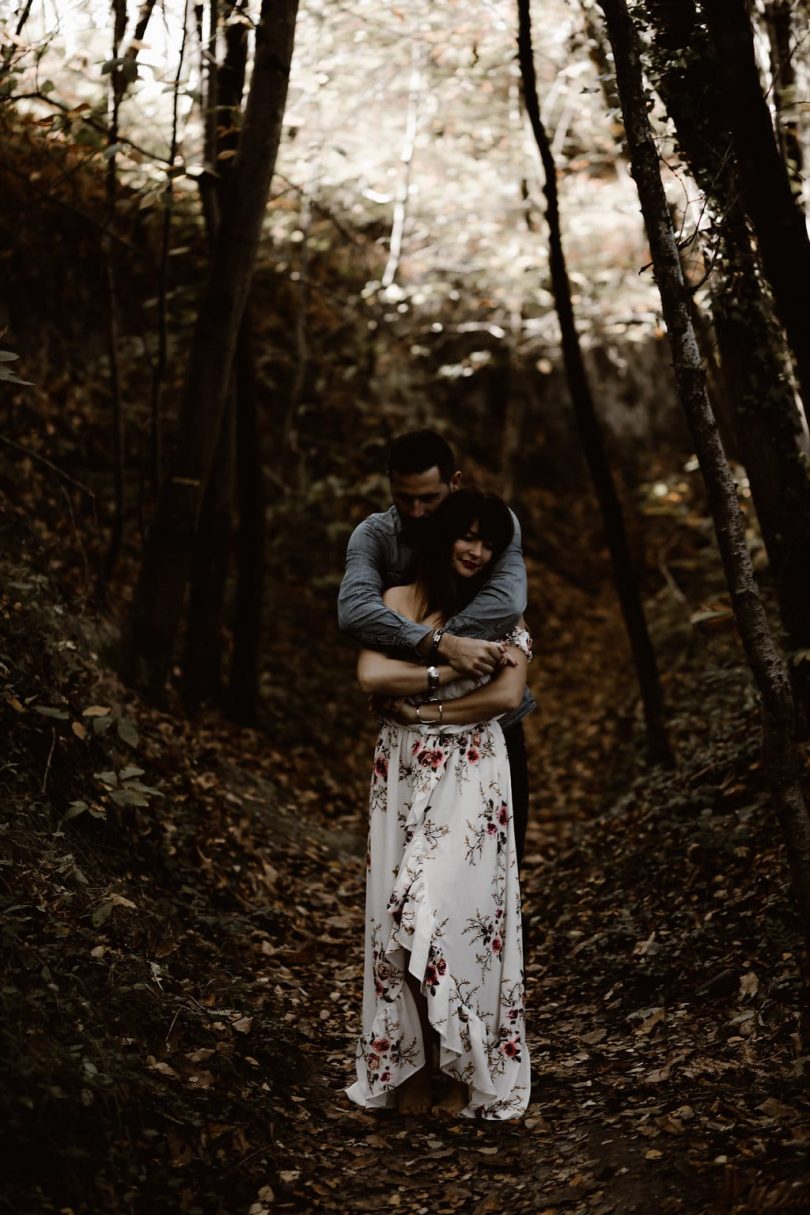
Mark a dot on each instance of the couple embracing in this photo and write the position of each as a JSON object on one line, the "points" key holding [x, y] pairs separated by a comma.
{"points": [[434, 591]]}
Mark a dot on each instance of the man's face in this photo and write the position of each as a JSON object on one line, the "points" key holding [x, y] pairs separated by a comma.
{"points": [[417, 495]]}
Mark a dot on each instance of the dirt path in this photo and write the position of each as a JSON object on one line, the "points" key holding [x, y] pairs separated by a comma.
{"points": [[653, 1095], [570, 1152], [182, 983]]}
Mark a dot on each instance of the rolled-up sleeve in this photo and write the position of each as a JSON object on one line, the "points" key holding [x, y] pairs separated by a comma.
{"points": [[501, 602], [361, 611]]}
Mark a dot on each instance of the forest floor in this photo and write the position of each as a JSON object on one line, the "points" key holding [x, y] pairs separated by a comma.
{"points": [[182, 916]]}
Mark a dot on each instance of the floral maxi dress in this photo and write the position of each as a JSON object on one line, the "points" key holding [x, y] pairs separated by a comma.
{"points": [[443, 899]]}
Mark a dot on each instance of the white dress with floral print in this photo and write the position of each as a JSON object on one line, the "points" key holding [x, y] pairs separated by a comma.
{"points": [[442, 898]]}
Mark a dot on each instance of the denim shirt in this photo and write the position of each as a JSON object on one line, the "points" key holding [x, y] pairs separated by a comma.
{"points": [[377, 558]]}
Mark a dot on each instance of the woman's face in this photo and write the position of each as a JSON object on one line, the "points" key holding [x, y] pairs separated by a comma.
{"points": [[470, 553]]}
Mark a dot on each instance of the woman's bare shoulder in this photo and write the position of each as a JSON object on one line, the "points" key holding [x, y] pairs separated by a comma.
{"points": [[402, 599]]}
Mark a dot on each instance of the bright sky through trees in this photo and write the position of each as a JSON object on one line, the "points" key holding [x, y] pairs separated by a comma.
{"points": [[405, 117]]}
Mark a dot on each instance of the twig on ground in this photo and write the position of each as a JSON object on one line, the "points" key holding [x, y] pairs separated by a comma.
{"points": [[48, 764]]}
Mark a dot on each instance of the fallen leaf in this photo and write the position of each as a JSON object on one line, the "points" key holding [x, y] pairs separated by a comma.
{"points": [[201, 1079], [749, 985]]}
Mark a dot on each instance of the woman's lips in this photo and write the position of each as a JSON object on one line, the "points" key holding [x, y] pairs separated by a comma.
{"points": [[470, 565]]}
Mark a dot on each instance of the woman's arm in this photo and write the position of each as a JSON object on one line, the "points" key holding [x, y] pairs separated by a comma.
{"points": [[382, 676], [503, 692]]}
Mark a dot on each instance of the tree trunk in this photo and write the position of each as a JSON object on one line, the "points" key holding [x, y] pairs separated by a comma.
{"points": [[778, 715], [243, 691], [116, 94], [779, 23], [161, 587], [202, 664], [624, 575], [753, 361], [780, 226]]}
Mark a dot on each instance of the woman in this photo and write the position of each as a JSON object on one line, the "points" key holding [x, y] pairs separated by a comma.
{"points": [[443, 956]]}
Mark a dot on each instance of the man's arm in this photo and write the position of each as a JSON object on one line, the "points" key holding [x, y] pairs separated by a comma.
{"points": [[361, 611], [501, 602]]}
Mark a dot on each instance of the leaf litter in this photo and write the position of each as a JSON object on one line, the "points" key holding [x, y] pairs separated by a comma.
{"points": [[182, 970]]}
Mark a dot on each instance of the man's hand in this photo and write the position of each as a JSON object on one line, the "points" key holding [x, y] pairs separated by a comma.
{"points": [[469, 656]]}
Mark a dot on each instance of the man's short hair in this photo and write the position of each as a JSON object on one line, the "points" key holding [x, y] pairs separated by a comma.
{"points": [[419, 450]]}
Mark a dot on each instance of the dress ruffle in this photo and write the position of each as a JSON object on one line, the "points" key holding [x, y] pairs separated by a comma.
{"points": [[411, 931]]}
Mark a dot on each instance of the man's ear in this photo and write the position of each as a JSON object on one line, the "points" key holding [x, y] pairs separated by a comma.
{"points": [[455, 482]]}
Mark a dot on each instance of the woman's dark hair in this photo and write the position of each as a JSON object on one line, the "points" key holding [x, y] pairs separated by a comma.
{"points": [[440, 590], [420, 450]]}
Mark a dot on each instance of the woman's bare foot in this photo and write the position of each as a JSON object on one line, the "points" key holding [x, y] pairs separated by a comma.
{"points": [[454, 1099], [414, 1095]]}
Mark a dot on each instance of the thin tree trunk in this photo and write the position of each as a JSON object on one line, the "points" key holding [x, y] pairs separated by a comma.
{"points": [[208, 181], [780, 226], [406, 160], [243, 690], [779, 23], [117, 89], [7, 52], [624, 575], [778, 715], [159, 369], [202, 664], [161, 587], [144, 14]]}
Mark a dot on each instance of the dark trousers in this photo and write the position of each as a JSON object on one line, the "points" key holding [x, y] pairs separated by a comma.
{"points": [[516, 749]]}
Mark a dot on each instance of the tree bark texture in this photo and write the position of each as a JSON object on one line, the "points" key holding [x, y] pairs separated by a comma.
{"points": [[779, 23], [778, 223], [761, 398], [243, 689], [116, 93], [202, 662], [778, 715], [624, 574], [164, 574]]}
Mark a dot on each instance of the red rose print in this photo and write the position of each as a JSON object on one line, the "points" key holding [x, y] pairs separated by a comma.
{"points": [[497, 944]]}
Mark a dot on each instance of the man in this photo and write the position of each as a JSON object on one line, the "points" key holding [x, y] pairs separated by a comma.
{"points": [[422, 472]]}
